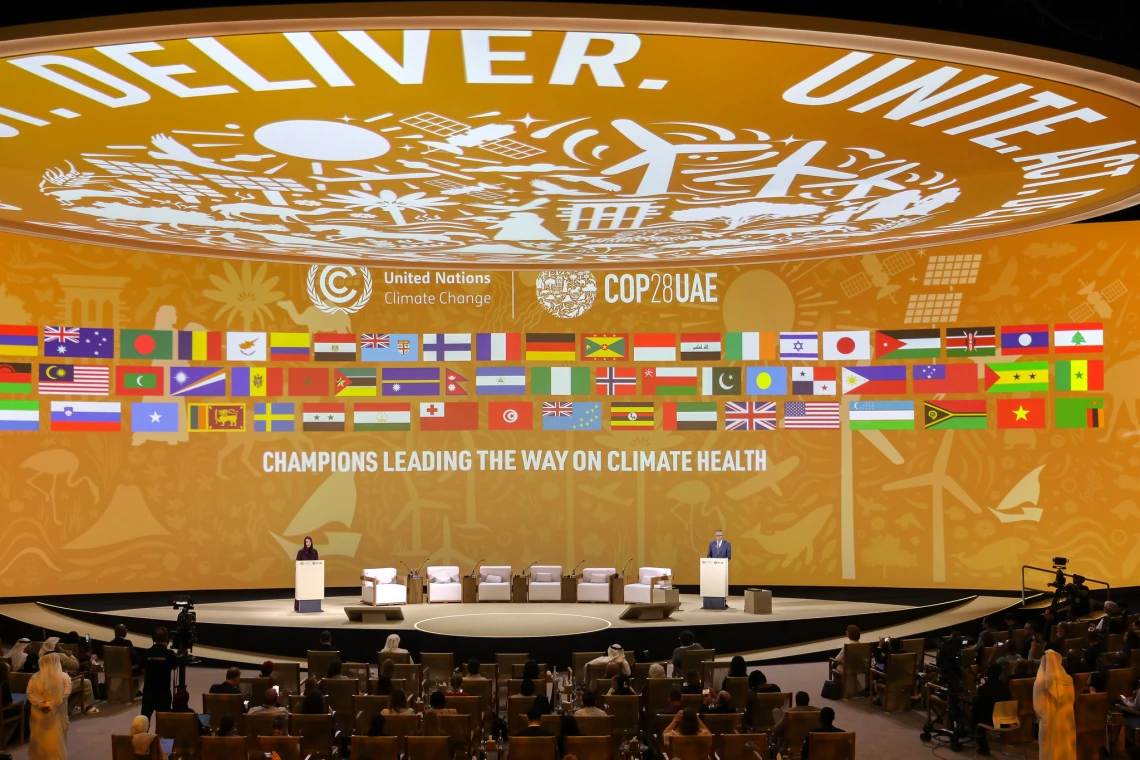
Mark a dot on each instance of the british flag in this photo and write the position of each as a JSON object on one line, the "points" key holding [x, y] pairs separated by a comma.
{"points": [[750, 415], [375, 340], [557, 408]]}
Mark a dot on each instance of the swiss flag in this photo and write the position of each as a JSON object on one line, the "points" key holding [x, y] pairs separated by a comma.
{"points": [[449, 415], [510, 415]]}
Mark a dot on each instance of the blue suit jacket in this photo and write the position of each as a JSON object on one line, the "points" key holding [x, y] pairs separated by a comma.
{"points": [[725, 551]]}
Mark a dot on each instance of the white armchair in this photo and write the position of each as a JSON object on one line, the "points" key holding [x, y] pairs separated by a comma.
{"points": [[545, 583], [495, 583], [648, 578], [594, 585], [443, 584], [381, 585]]}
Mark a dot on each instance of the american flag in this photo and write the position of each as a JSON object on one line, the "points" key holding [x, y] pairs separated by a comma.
{"points": [[557, 409], [799, 415], [61, 335], [754, 415], [371, 340]]}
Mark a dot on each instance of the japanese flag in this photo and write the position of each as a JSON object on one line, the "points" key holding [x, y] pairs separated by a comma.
{"points": [[847, 345]]}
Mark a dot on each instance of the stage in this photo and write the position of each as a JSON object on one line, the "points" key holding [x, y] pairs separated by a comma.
{"points": [[254, 629]]}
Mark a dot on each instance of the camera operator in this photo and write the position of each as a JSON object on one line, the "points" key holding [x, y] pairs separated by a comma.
{"points": [[1079, 603], [993, 690], [158, 664]]}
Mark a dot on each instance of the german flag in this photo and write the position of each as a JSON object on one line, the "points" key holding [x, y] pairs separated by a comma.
{"points": [[550, 347], [632, 415]]}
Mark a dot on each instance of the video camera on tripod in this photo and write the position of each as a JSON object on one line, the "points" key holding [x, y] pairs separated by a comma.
{"points": [[949, 678], [184, 636]]}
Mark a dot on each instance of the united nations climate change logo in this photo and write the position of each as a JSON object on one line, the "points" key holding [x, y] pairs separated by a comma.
{"points": [[339, 289], [565, 293]]}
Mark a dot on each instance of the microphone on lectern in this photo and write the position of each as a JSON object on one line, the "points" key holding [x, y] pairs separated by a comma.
{"points": [[626, 567], [528, 567], [475, 566], [574, 572], [416, 572], [411, 573]]}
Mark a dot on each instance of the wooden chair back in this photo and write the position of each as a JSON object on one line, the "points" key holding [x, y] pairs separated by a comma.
{"points": [[1118, 681], [1021, 690], [595, 725], [481, 688], [364, 706], [1091, 716], [182, 728], [514, 686], [640, 674], [856, 662], [692, 700], [722, 723], [375, 747], [361, 672], [738, 688], [218, 706], [339, 694], [506, 662], [713, 674], [297, 700], [552, 723], [402, 726], [595, 672], [797, 725], [466, 705], [461, 729], [254, 688], [763, 705], [437, 667], [601, 686], [517, 707], [122, 749], [1018, 639], [412, 676], [626, 711], [692, 659], [578, 662], [913, 646], [19, 682], [534, 747], [832, 746], [316, 732], [429, 748], [690, 747], [288, 675], [259, 724], [286, 747], [899, 685], [397, 658], [223, 747], [516, 670], [742, 746], [588, 747], [657, 698], [1080, 681], [318, 661], [118, 674]]}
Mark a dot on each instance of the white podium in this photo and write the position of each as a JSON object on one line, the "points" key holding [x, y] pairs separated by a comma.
{"points": [[309, 585], [714, 583]]}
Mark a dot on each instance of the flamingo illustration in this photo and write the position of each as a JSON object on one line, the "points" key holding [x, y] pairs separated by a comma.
{"points": [[56, 462]]}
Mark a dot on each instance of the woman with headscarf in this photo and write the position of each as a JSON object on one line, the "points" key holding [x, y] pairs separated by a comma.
{"points": [[142, 740], [17, 653], [307, 551], [47, 693], [71, 665], [1053, 702], [392, 645], [736, 669], [614, 654]]}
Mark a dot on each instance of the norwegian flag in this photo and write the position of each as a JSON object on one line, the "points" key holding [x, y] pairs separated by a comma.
{"points": [[557, 408], [372, 340], [754, 415], [61, 335]]}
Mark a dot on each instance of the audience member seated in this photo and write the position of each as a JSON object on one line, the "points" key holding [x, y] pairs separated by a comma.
{"points": [[438, 702], [621, 686], [8, 706], [230, 685], [456, 689], [326, 644], [1131, 642], [1096, 683], [1075, 662], [181, 704], [1011, 625], [121, 640], [1057, 643], [542, 704], [882, 652], [398, 704], [31, 664], [82, 651], [71, 666], [589, 708], [17, 654], [313, 702], [228, 726], [853, 634], [656, 670], [526, 688], [473, 667], [723, 704], [1004, 654], [1111, 622], [993, 690], [736, 669], [985, 638], [384, 680], [675, 700], [271, 704], [826, 726], [376, 725], [392, 646], [692, 684], [803, 704], [688, 641], [267, 671], [758, 683], [534, 723], [614, 654], [686, 723], [280, 726], [1093, 650], [142, 739], [530, 670]]}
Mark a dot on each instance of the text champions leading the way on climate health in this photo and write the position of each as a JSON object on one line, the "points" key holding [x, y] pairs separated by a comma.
{"points": [[704, 460]]}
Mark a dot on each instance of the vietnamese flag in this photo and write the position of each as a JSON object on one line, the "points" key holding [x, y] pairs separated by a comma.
{"points": [[1015, 413], [449, 415], [510, 415], [139, 381]]}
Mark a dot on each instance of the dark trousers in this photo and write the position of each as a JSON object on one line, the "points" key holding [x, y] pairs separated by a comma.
{"points": [[155, 701]]}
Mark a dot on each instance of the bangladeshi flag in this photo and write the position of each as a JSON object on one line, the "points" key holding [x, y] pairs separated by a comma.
{"points": [[139, 381], [146, 344]]}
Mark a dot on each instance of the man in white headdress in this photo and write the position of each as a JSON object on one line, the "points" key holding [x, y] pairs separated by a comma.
{"points": [[393, 645], [614, 654], [71, 665], [1053, 702], [17, 653], [47, 693]]}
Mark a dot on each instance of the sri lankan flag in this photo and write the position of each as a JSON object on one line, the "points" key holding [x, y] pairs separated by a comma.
{"points": [[1080, 375], [1017, 377], [631, 415], [954, 415], [1079, 413], [604, 347]]}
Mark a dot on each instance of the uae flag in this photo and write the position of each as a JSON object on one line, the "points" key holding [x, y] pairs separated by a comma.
{"points": [[814, 381], [699, 347], [631, 415], [510, 415], [669, 381], [381, 417], [908, 344], [970, 341], [322, 417], [689, 415], [334, 347], [616, 381], [449, 415]]}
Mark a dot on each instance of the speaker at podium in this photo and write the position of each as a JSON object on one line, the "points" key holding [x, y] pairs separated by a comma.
{"points": [[309, 585]]}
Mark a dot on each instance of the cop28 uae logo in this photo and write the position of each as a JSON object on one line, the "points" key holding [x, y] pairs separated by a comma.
{"points": [[566, 293], [339, 289]]}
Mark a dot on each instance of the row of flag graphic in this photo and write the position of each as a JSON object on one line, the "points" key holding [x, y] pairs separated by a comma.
{"points": [[245, 382], [842, 345], [164, 417]]}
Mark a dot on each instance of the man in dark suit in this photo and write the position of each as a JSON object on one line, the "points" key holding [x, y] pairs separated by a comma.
{"points": [[229, 686], [719, 548]]}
